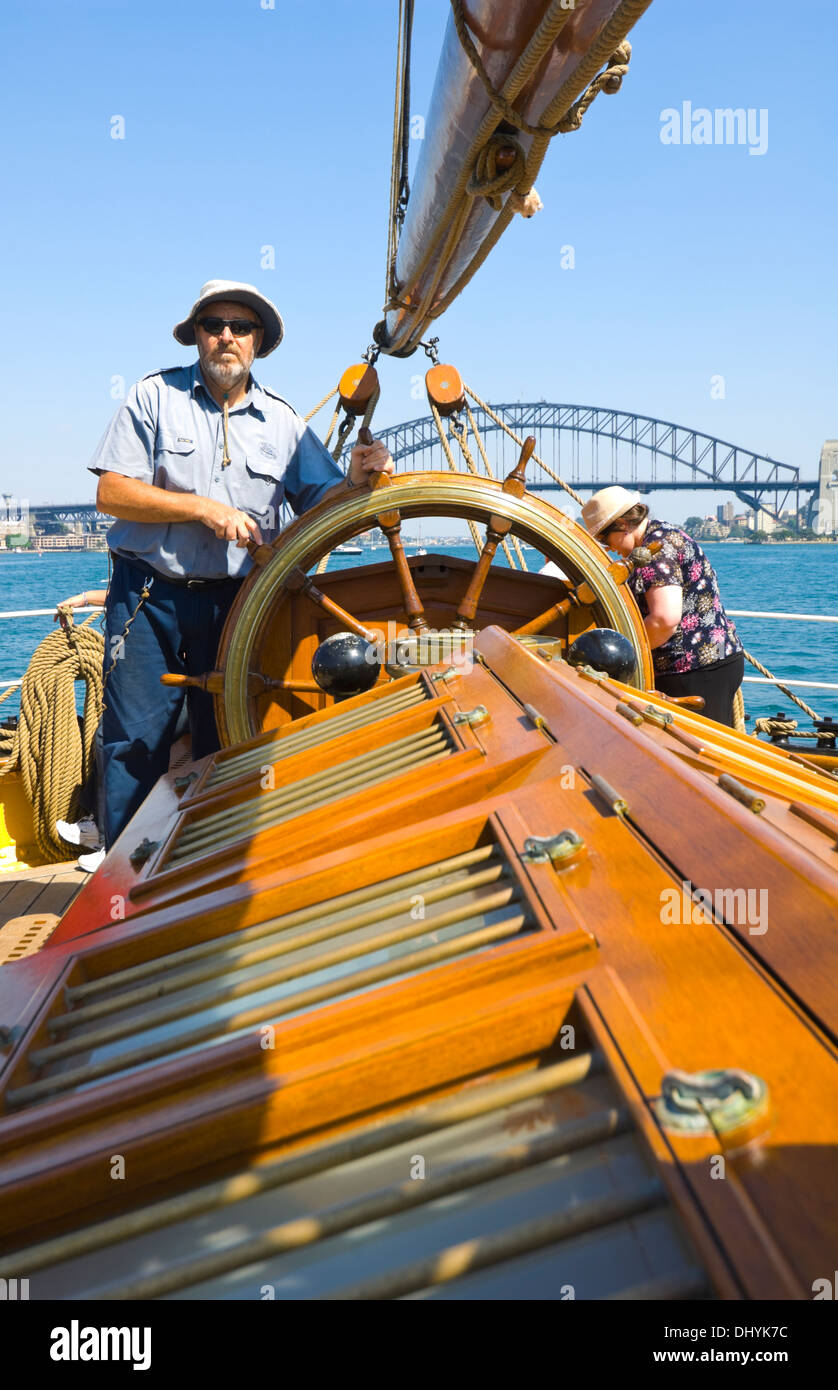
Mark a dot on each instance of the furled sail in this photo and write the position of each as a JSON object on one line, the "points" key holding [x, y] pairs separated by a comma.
{"points": [[510, 77]]}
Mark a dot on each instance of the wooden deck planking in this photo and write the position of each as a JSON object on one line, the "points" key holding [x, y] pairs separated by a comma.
{"points": [[48, 889]]}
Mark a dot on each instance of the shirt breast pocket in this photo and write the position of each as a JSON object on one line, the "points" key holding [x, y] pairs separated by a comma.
{"points": [[260, 490], [174, 461]]}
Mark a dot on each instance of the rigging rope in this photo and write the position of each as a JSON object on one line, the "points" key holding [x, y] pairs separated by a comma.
{"points": [[343, 434], [490, 471], [446, 447], [457, 428], [487, 410], [739, 712], [779, 684], [320, 404]]}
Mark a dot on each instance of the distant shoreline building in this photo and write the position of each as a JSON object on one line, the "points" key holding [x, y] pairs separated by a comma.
{"points": [[826, 518]]}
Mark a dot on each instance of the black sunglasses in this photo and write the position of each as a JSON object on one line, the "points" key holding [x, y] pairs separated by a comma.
{"points": [[240, 328]]}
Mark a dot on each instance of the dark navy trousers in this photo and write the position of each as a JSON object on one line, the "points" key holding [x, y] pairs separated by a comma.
{"points": [[177, 629]]}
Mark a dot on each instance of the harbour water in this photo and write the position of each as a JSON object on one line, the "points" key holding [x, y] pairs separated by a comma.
{"points": [[782, 578]]}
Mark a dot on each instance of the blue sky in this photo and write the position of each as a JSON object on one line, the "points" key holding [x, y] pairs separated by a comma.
{"points": [[247, 127]]}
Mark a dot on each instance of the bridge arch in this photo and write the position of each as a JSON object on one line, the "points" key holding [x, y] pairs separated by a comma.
{"points": [[636, 450]]}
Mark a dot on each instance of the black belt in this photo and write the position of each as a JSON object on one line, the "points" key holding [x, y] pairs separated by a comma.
{"points": [[198, 583], [184, 583]]}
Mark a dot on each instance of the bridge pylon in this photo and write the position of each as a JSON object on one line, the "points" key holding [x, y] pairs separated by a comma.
{"points": [[826, 521]]}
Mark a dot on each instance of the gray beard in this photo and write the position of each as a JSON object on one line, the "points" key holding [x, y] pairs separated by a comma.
{"points": [[226, 376]]}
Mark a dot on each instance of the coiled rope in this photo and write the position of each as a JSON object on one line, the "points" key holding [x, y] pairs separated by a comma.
{"points": [[53, 754]]}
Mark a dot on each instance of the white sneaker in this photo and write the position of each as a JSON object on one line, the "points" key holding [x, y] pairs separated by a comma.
{"points": [[84, 833], [91, 862]]}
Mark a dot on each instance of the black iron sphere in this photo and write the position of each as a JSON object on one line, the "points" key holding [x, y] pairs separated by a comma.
{"points": [[605, 650], [345, 664]]}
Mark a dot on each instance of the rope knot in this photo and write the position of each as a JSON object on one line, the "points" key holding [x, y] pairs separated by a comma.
{"points": [[610, 80], [499, 166]]}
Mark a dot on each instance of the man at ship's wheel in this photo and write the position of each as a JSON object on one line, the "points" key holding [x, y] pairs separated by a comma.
{"points": [[194, 465]]}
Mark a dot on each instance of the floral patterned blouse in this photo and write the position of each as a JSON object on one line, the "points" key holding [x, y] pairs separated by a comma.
{"points": [[705, 634]]}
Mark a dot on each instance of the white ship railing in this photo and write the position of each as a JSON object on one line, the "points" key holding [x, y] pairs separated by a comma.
{"points": [[733, 613]]}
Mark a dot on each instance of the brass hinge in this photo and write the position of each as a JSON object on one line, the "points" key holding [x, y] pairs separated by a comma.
{"points": [[741, 793], [657, 716], [628, 713], [181, 783], [711, 1102], [538, 719], [589, 673], [143, 851], [478, 715], [553, 849], [608, 794]]}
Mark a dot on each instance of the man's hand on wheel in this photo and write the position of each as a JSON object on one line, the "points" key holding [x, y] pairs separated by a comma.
{"points": [[228, 523], [369, 458]]}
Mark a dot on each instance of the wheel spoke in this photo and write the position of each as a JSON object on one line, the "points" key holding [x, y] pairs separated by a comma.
{"points": [[298, 582], [496, 531]]}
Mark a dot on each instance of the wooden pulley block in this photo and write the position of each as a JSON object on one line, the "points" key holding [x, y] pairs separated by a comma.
{"points": [[357, 387], [445, 388]]}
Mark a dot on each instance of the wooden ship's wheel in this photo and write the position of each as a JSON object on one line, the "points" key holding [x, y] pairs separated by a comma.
{"points": [[284, 612]]}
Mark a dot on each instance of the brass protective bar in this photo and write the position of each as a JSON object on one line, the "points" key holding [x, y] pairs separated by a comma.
{"points": [[292, 919], [243, 957], [378, 1206], [326, 729], [459, 1260], [270, 811], [338, 772], [328, 774], [264, 818], [89, 1039], [319, 994], [469, 1104], [335, 727]]}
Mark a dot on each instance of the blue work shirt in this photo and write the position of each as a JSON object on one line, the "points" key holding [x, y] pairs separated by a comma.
{"points": [[169, 432]]}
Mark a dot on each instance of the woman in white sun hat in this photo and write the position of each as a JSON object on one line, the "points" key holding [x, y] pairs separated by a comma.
{"points": [[694, 644]]}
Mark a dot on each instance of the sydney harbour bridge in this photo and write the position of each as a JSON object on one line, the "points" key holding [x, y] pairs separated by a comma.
{"points": [[592, 446], [589, 447]]}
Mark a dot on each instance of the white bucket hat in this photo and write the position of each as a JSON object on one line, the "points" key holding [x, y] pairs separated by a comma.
{"points": [[239, 293], [607, 505]]}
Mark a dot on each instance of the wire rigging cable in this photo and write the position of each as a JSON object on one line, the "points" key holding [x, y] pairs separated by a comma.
{"points": [[399, 170]]}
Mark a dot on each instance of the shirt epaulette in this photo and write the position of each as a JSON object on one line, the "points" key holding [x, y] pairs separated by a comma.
{"points": [[269, 391], [161, 371]]}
